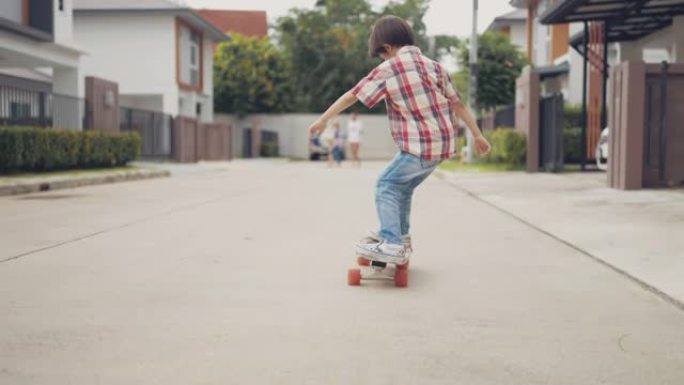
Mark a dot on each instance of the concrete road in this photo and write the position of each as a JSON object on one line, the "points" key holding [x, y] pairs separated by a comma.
{"points": [[236, 274]]}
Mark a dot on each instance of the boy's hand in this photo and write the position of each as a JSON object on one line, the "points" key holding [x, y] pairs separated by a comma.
{"points": [[316, 127], [482, 146]]}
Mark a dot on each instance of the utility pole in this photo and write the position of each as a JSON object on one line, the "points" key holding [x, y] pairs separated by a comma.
{"points": [[472, 88]]}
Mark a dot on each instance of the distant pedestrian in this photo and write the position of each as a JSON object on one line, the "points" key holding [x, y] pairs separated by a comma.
{"points": [[337, 145], [355, 134]]}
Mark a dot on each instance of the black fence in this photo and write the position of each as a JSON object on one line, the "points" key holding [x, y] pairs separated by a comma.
{"points": [[503, 117], [41, 109], [551, 126], [155, 129]]}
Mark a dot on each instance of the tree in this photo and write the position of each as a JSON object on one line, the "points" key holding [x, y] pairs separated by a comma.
{"points": [[327, 47], [327, 50], [251, 75], [499, 65]]}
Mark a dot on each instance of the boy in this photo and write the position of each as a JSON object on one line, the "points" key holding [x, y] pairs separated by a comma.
{"points": [[421, 103]]}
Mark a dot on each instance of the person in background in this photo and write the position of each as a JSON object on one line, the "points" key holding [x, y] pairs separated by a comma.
{"points": [[336, 144], [355, 132]]}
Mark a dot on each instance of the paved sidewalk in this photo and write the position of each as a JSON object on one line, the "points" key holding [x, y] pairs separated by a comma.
{"points": [[236, 274], [638, 233]]}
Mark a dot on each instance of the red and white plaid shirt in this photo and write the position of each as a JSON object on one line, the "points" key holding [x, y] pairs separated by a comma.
{"points": [[418, 94]]}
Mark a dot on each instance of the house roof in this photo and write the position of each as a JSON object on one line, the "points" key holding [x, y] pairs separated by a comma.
{"points": [[519, 3], [249, 23], [625, 20], [553, 70], [129, 5], [515, 16], [174, 7]]}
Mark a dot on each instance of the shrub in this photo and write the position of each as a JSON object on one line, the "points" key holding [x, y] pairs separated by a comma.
{"points": [[269, 149], [508, 147], [40, 149], [573, 116], [572, 144]]}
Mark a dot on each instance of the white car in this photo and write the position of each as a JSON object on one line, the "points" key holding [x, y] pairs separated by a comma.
{"points": [[601, 152]]}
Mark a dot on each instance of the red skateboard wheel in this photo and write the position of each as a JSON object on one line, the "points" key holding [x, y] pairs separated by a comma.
{"points": [[401, 278], [363, 261], [354, 277]]}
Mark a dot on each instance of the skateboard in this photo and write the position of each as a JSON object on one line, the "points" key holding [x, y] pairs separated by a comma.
{"points": [[378, 271]]}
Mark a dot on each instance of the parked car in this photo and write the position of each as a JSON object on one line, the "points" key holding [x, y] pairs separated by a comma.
{"points": [[601, 152]]}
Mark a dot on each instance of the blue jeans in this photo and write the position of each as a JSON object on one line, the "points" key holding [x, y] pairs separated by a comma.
{"points": [[394, 191]]}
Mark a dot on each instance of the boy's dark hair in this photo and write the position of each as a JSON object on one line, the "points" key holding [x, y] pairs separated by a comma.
{"points": [[391, 30]]}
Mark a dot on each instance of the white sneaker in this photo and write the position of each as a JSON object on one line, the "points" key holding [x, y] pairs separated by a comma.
{"points": [[383, 252], [374, 237]]}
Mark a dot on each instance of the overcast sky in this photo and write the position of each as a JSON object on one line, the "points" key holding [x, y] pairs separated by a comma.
{"points": [[444, 16]]}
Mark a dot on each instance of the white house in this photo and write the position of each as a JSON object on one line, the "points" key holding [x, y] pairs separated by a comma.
{"points": [[36, 41], [513, 24], [160, 52]]}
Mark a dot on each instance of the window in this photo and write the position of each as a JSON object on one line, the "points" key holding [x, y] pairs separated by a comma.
{"points": [[190, 57], [19, 110], [61, 5]]}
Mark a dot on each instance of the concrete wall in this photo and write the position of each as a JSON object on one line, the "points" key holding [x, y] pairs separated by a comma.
{"points": [[293, 135], [64, 23], [12, 10], [519, 35]]}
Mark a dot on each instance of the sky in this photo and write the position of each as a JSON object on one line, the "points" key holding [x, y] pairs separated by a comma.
{"points": [[452, 17]]}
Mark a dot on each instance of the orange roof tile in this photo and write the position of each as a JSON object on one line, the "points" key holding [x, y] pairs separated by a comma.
{"points": [[249, 23]]}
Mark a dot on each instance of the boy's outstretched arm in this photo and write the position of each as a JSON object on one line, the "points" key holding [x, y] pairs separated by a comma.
{"points": [[481, 144], [345, 101]]}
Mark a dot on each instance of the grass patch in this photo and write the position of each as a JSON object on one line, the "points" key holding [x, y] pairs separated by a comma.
{"points": [[456, 166]]}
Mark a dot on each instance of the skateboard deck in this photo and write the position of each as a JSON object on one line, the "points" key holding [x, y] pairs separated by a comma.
{"points": [[378, 271]]}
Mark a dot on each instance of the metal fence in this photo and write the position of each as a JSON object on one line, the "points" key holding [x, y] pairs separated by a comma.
{"points": [[505, 117], [42, 109], [155, 129], [551, 125]]}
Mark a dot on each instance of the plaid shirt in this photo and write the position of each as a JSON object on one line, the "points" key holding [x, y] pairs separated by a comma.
{"points": [[418, 94]]}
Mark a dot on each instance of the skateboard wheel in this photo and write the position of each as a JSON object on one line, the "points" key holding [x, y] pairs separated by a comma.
{"points": [[401, 278], [354, 277], [404, 266], [363, 261]]}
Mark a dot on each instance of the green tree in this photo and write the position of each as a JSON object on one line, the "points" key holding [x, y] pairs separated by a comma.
{"points": [[327, 47], [327, 50], [499, 65], [251, 75]]}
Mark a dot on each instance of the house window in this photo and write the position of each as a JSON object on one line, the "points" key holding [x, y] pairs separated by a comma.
{"points": [[20, 110], [61, 5], [547, 45], [190, 57]]}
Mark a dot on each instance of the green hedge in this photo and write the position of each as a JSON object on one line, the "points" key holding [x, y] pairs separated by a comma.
{"points": [[41, 149], [508, 147], [572, 140], [269, 150], [573, 116]]}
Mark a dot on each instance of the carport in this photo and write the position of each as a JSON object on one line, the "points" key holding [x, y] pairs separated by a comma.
{"points": [[644, 108]]}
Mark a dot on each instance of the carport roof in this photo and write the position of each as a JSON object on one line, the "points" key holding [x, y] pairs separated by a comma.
{"points": [[625, 19]]}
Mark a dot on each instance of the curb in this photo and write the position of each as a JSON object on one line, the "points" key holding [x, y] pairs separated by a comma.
{"points": [[57, 183]]}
